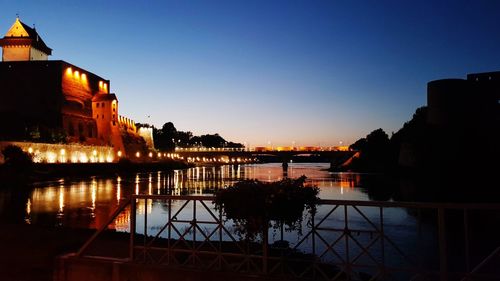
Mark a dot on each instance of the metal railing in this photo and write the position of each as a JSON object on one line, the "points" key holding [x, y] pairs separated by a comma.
{"points": [[344, 240]]}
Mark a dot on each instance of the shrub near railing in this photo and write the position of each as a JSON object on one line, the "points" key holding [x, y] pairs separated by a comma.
{"points": [[254, 206]]}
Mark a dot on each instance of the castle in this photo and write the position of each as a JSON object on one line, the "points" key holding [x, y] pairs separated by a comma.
{"points": [[53, 101]]}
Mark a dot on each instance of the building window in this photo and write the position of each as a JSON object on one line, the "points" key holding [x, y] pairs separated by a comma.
{"points": [[114, 123], [102, 116], [71, 130], [80, 130], [102, 104], [97, 105], [90, 131], [97, 116], [114, 110]]}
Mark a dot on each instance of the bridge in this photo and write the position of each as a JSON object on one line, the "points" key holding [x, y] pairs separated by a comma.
{"points": [[334, 155]]}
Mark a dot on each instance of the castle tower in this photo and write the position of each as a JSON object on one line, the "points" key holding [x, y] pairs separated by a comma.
{"points": [[22, 43], [105, 111]]}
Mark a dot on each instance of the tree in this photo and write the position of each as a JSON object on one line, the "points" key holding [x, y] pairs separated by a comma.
{"points": [[212, 140], [164, 137], [375, 154], [168, 137], [254, 205], [16, 160]]}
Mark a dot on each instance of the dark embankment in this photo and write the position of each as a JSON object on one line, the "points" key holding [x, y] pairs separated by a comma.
{"points": [[44, 171], [29, 252]]}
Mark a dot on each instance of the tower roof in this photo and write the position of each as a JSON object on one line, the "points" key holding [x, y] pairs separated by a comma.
{"points": [[21, 34], [104, 97]]}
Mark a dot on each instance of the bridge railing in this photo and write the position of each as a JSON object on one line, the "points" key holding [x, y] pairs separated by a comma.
{"points": [[262, 149], [210, 149], [343, 240]]}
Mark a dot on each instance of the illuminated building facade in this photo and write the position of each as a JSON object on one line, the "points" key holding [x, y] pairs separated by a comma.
{"points": [[22, 43], [54, 101]]}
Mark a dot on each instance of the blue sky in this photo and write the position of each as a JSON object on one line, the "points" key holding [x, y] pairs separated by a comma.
{"points": [[309, 72]]}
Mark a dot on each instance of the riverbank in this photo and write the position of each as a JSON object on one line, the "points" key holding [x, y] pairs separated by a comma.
{"points": [[29, 252], [50, 171]]}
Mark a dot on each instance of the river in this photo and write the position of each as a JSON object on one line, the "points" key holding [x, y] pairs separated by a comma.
{"points": [[88, 202]]}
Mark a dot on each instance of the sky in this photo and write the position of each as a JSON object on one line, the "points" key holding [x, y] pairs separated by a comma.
{"points": [[269, 72]]}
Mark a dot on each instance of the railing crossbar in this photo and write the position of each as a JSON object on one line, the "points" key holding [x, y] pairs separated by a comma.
{"points": [[329, 247], [104, 226], [327, 215], [364, 249], [366, 218]]}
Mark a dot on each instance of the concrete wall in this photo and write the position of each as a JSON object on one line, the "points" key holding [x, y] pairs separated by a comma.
{"points": [[70, 268]]}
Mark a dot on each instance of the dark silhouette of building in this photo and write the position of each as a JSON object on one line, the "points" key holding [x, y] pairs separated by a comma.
{"points": [[467, 110]]}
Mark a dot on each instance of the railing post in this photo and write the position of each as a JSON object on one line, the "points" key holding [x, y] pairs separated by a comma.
{"points": [[145, 228], [466, 239], [221, 225], [382, 239], [443, 263], [193, 224], [265, 247], [346, 235], [313, 231], [132, 227], [169, 230]]}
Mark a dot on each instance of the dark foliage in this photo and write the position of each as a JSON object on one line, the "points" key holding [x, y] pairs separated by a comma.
{"points": [[374, 156], [168, 137], [16, 160], [254, 205]]}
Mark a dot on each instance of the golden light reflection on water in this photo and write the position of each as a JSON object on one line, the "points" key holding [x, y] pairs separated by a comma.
{"points": [[118, 188], [61, 199], [28, 212], [87, 203]]}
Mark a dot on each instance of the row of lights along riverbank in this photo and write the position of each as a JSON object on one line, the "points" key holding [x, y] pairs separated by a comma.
{"points": [[67, 155]]}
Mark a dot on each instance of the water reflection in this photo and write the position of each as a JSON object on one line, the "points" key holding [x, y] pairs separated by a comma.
{"points": [[88, 203]]}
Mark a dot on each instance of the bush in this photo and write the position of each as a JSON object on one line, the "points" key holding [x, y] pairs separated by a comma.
{"points": [[17, 160], [254, 205]]}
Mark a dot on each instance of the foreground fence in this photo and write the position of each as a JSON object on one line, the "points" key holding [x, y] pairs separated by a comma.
{"points": [[344, 240]]}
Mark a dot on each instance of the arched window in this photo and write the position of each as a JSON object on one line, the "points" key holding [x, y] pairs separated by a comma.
{"points": [[80, 130], [90, 131], [71, 129]]}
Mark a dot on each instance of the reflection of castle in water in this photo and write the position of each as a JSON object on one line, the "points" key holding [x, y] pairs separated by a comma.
{"points": [[88, 203]]}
